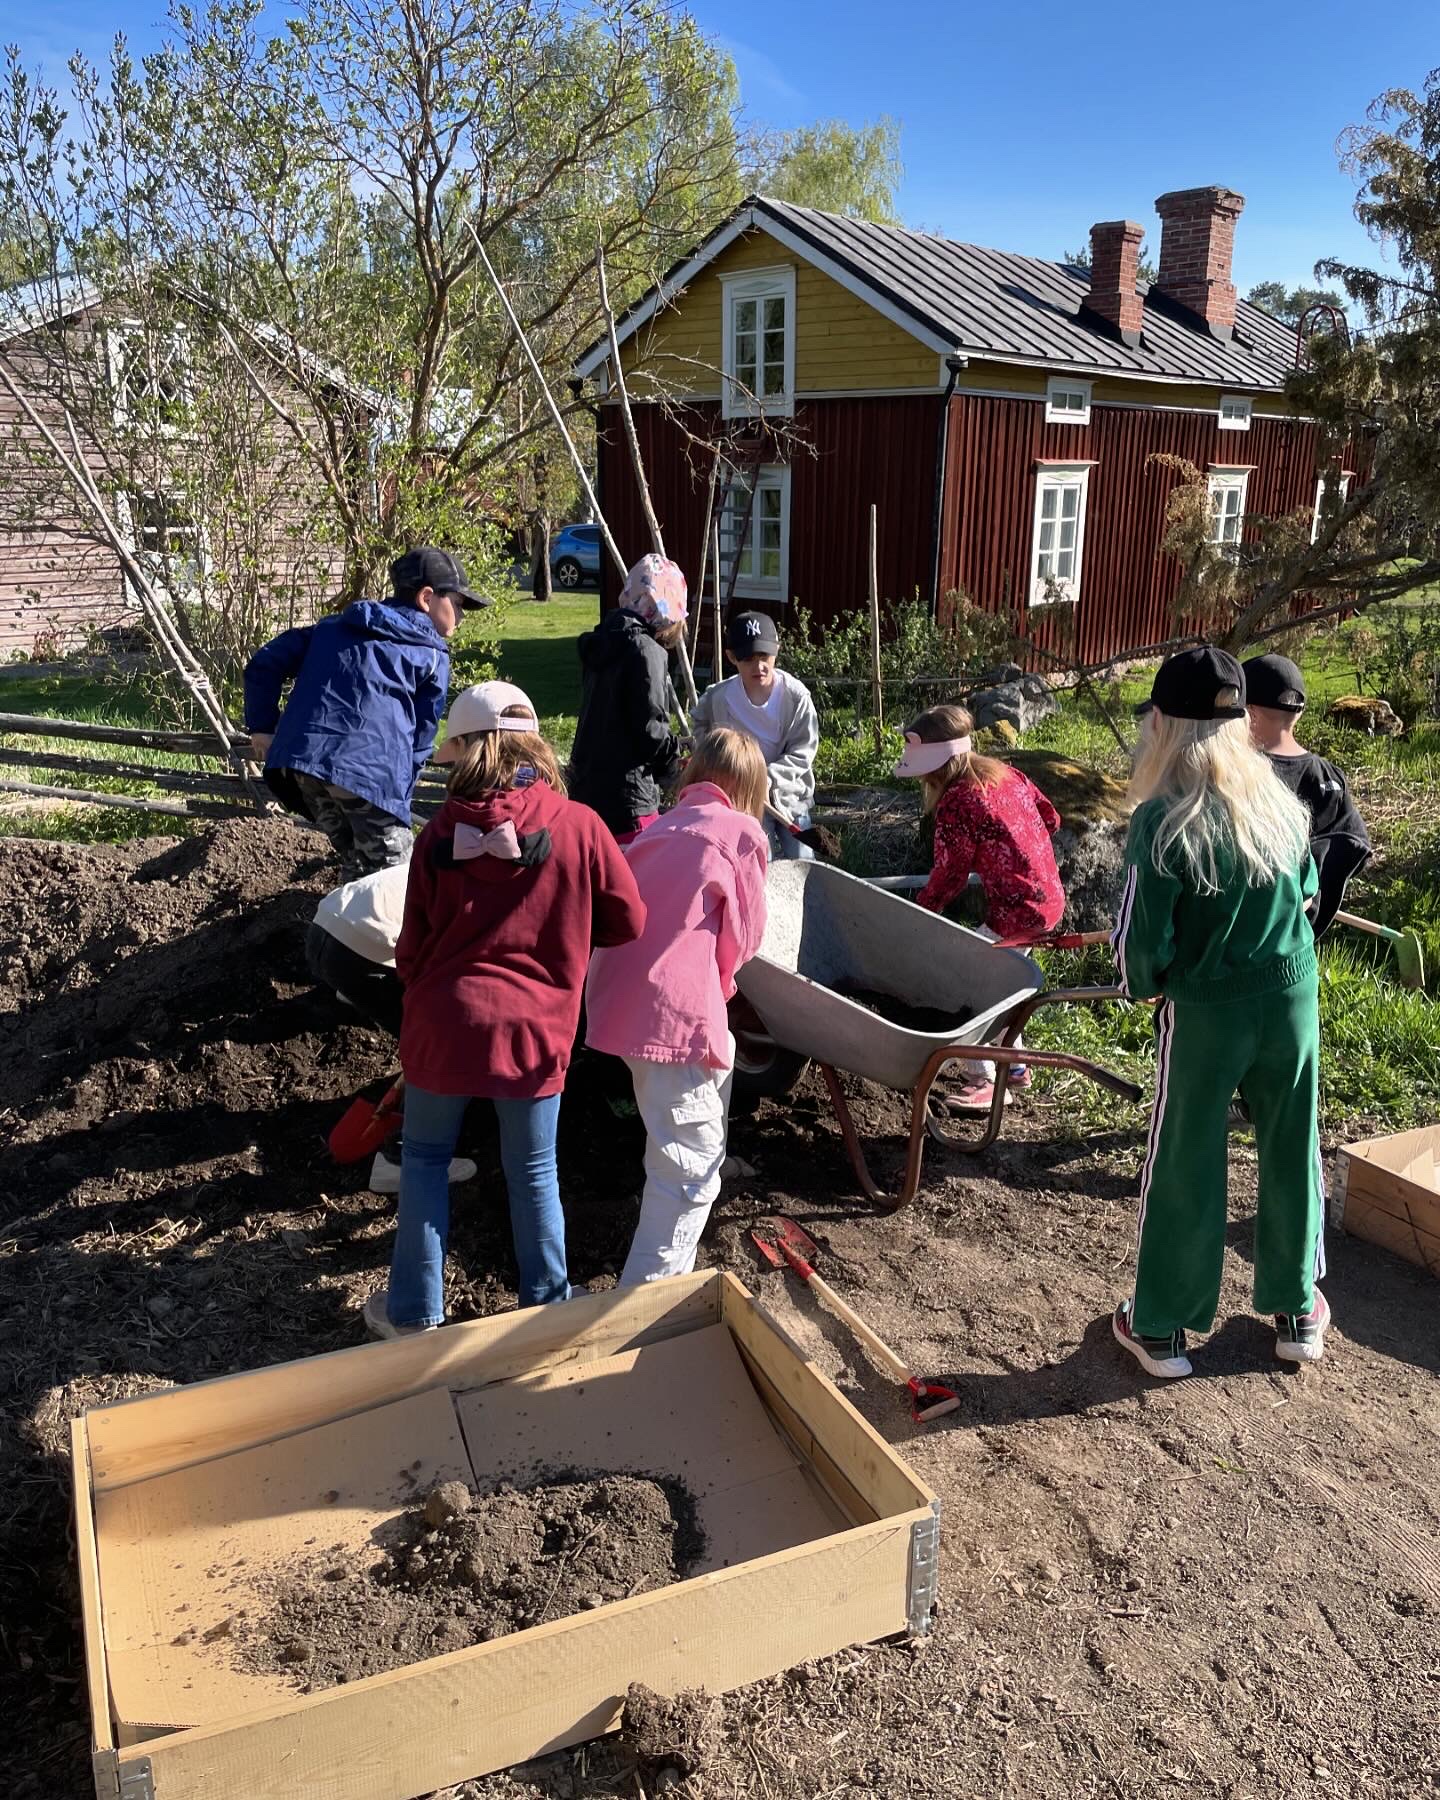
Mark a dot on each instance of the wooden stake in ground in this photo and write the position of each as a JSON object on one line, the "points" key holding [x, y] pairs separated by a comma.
{"points": [[877, 690], [632, 438], [718, 652]]}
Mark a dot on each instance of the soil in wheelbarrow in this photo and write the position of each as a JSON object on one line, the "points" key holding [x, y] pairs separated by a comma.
{"points": [[459, 1569], [1226, 1586], [904, 1012]]}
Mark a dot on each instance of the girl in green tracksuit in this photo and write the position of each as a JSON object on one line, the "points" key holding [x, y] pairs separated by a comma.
{"points": [[1213, 921]]}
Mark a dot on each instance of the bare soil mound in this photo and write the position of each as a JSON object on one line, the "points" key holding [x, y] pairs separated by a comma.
{"points": [[461, 1571]]}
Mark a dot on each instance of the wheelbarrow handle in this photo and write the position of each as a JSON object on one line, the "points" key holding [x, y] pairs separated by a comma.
{"points": [[1056, 940]]}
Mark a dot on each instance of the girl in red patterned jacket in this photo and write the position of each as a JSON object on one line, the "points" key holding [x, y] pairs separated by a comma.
{"points": [[992, 822]]}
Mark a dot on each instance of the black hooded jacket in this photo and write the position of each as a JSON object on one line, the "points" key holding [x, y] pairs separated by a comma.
{"points": [[1339, 841], [624, 747]]}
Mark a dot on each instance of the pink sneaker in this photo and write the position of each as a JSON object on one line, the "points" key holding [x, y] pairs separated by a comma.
{"points": [[974, 1097]]}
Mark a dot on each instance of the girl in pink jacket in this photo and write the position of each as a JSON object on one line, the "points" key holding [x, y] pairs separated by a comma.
{"points": [[660, 1001]]}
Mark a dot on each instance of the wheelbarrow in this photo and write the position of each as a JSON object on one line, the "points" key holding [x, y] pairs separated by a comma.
{"points": [[828, 932]]}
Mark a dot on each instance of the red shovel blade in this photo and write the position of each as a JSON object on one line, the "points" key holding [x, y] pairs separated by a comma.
{"points": [[365, 1125]]}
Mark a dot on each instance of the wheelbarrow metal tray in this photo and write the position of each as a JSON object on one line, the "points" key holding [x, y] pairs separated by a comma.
{"points": [[827, 929], [818, 1537]]}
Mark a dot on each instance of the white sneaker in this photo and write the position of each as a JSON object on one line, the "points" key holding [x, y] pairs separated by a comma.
{"points": [[377, 1318], [385, 1175]]}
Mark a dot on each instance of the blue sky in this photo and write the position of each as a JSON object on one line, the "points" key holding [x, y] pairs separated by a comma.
{"points": [[1023, 123]]}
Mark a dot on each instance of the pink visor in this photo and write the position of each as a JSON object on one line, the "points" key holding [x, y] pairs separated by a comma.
{"points": [[921, 758]]}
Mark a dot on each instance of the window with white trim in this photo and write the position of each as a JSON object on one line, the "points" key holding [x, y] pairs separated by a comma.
{"points": [[149, 376], [759, 347], [1059, 534], [1322, 488], [168, 543], [1227, 506], [1067, 402], [759, 535], [1235, 410]]}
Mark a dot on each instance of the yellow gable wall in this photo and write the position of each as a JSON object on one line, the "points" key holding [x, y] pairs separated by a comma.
{"points": [[840, 342]]}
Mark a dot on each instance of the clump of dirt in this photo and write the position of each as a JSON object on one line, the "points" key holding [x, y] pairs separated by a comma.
{"points": [[683, 1731], [458, 1571], [904, 1013]]}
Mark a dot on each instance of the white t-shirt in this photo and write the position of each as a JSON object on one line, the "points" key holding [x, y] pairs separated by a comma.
{"points": [[366, 915], [766, 724]]}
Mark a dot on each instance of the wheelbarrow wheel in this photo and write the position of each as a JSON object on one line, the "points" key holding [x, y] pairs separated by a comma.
{"points": [[763, 1070]]}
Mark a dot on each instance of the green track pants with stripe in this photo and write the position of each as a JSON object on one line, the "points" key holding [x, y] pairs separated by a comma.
{"points": [[1266, 1048]]}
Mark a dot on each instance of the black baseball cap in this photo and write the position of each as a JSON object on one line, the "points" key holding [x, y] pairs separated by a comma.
{"points": [[751, 634], [1198, 684], [1274, 681], [432, 568]]}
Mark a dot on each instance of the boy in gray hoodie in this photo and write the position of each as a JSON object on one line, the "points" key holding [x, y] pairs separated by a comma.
{"points": [[771, 706]]}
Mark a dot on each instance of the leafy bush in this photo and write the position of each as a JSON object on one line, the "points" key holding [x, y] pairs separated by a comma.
{"points": [[1395, 652], [921, 662]]}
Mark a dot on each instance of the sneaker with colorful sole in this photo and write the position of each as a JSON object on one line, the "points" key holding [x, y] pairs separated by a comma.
{"points": [[1018, 1079], [1300, 1337], [1162, 1356]]}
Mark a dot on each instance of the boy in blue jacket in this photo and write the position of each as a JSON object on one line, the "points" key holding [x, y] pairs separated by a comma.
{"points": [[368, 690]]}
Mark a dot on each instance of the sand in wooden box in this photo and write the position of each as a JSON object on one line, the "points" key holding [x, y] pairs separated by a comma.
{"points": [[184, 1557], [685, 1408], [838, 1547]]}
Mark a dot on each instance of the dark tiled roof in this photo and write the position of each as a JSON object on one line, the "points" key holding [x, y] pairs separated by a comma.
{"points": [[991, 302]]}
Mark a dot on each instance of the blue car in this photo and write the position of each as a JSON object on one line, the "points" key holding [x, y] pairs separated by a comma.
{"points": [[575, 557]]}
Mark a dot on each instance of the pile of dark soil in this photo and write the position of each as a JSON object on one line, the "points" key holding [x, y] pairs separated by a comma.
{"points": [[460, 1571], [904, 1013]]}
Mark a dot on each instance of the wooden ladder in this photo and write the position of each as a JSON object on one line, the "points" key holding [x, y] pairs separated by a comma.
{"points": [[740, 465]]}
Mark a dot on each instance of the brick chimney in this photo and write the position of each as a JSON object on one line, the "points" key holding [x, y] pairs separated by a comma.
{"points": [[1197, 246], [1114, 258]]}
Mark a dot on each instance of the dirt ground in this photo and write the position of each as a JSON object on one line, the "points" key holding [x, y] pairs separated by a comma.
{"points": [[1227, 1586]]}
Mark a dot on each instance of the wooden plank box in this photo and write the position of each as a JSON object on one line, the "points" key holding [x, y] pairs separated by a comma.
{"points": [[818, 1537], [1389, 1194]]}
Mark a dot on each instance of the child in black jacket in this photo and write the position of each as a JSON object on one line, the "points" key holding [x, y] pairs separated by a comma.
{"points": [[624, 747]]}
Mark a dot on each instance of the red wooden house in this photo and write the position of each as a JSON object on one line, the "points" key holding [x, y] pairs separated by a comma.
{"points": [[999, 410]]}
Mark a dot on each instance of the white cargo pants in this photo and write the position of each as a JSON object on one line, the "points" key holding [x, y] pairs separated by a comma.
{"points": [[685, 1108]]}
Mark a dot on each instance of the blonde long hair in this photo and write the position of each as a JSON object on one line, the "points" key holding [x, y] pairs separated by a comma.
{"points": [[736, 765], [491, 759], [938, 726], [1218, 793]]}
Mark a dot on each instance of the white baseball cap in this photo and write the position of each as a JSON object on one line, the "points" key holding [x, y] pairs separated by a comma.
{"points": [[482, 708]]}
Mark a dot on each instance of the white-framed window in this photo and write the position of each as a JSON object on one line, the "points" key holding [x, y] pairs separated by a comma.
{"points": [[1322, 488], [168, 543], [1067, 401], [149, 376], [1235, 410], [1227, 506], [759, 347], [759, 534], [1059, 533]]}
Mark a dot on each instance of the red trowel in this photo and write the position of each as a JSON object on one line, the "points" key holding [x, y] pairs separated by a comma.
{"points": [[781, 1241], [367, 1125]]}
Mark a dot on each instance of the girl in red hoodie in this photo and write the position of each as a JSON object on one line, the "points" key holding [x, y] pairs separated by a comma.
{"points": [[992, 822], [660, 1002], [511, 885]]}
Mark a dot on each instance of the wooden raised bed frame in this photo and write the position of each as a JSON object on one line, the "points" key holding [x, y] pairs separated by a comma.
{"points": [[458, 1716]]}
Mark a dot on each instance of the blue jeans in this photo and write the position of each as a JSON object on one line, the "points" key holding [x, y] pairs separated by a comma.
{"points": [[784, 845], [527, 1154]]}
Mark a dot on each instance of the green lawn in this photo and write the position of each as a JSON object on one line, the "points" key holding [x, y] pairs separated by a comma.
{"points": [[536, 649]]}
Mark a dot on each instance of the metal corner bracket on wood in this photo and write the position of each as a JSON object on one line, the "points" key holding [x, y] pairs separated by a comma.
{"points": [[924, 1572], [116, 1780]]}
